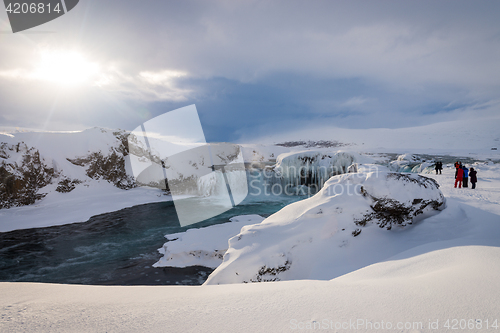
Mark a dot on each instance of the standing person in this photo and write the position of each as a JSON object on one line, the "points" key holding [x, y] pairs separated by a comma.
{"points": [[437, 167], [456, 168], [458, 179], [473, 177], [440, 167], [466, 176]]}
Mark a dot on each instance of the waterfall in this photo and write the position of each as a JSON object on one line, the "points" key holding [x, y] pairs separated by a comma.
{"points": [[310, 169]]}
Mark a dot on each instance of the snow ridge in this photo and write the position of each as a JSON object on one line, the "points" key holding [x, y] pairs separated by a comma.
{"points": [[294, 242]]}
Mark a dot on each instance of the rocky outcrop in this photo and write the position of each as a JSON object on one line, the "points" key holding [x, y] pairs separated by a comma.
{"points": [[67, 185], [387, 211], [109, 167], [25, 173], [20, 181]]}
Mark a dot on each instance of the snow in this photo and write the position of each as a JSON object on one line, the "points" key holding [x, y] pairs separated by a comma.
{"points": [[203, 246], [486, 196], [255, 153], [467, 137], [94, 197], [58, 146], [418, 291], [79, 205], [412, 163]]}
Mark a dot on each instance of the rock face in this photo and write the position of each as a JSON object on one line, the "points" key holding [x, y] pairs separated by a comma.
{"points": [[20, 180], [31, 163], [110, 167], [314, 144], [304, 239]]}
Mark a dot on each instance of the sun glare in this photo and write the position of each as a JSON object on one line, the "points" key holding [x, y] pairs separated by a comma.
{"points": [[65, 67]]}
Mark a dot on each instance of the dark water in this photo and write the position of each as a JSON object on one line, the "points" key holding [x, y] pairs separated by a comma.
{"points": [[115, 248]]}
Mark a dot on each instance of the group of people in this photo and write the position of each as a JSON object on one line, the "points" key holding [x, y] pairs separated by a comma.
{"points": [[462, 175]]}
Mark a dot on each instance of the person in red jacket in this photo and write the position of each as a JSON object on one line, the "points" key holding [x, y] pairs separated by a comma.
{"points": [[460, 176], [457, 165]]}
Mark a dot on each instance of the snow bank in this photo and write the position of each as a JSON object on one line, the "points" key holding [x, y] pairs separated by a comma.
{"points": [[203, 246], [310, 239], [421, 293]]}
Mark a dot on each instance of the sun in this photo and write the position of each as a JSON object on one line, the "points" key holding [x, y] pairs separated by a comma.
{"points": [[65, 68]]}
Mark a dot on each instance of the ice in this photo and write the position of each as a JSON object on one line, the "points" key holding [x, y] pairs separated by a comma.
{"points": [[411, 163], [311, 168]]}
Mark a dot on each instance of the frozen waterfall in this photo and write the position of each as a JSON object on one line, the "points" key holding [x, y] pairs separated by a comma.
{"points": [[310, 168]]}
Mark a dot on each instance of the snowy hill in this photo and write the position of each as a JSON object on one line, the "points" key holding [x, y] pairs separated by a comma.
{"points": [[459, 137], [65, 177], [312, 238]]}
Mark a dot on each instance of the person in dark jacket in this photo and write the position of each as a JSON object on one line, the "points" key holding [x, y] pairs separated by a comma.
{"points": [[439, 167], [460, 176], [473, 177], [466, 176]]}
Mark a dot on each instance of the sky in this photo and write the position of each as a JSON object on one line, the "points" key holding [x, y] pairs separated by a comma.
{"points": [[253, 67]]}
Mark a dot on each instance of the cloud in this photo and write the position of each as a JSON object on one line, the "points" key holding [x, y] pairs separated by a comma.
{"points": [[145, 85], [162, 85], [354, 102], [247, 64]]}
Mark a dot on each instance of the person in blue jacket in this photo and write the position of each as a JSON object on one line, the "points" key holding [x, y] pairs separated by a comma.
{"points": [[466, 176]]}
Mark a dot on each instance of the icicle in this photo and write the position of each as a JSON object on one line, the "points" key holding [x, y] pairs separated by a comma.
{"points": [[311, 168]]}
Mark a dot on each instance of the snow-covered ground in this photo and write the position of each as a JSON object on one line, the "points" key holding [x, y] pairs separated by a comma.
{"points": [[486, 196], [437, 286], [437, 275], [318, 239], [419, 291], [467, 137]]}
